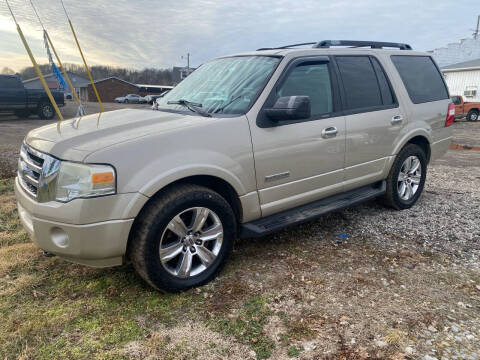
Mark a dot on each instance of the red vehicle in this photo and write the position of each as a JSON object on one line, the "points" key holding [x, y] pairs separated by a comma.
{"points": [[467, 109]]}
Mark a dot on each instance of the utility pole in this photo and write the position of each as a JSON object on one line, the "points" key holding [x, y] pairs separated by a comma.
{"points": [[188, 63], [476, 33]]}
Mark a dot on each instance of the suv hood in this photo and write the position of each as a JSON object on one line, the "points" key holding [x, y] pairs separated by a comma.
{"points": [[76, 138]]}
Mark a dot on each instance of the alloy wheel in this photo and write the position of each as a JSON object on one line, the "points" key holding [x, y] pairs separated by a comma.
{"points": [[409, 178], [191, 242]]}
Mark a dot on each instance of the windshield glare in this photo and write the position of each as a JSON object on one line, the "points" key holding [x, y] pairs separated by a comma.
{"points": [[227, 86]]}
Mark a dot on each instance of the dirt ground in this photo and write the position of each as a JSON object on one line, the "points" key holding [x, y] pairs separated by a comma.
{"points": [[396, 285]]}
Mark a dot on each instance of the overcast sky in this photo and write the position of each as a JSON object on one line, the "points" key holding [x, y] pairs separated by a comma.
{"points": [[142, 33]]}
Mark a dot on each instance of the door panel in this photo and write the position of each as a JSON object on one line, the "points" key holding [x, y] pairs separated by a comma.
{"points": [[295, 162], [12, 93], [374, 119], [313, 166]]}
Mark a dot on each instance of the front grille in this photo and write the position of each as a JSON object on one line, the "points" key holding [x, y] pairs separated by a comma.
{"points": [[30, 166]]}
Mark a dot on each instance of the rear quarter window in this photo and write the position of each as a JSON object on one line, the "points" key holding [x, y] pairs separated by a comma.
{"points": [[421, 77]]}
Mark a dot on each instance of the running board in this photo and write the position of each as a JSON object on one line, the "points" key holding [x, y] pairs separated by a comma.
{"points": [[311, 211]]}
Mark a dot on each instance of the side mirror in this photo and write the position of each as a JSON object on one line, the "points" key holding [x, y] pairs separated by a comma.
{"points": [[290, 108]]}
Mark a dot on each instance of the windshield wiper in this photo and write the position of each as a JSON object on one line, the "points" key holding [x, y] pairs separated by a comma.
{"points": [[195, 107]]}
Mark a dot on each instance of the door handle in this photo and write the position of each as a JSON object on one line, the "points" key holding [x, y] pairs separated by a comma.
{"points": [[397, 119], [329, 132]]}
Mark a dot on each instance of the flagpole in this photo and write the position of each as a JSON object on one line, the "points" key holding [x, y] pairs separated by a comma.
{"points": [[35, 65], [83, 58], [74, 93]]}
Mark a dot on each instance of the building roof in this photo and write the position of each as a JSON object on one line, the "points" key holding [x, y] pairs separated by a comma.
{"points": [[470, 65], [115, 78], [77, 80], [155, 86]]}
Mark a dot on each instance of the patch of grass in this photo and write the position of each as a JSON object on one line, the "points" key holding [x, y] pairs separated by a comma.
{"points": [[248, 326], [11, 230], [6, 186], [73, 312], [293, 351]]}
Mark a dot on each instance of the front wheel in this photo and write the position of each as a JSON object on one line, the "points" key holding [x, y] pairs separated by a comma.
{"points": [[125, 101], [182, 238], [472, 115], [406, 179], [46, 111]]}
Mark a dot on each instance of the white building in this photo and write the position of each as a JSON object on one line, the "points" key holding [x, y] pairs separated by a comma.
{"points": [[454, 53], [464, 79]]}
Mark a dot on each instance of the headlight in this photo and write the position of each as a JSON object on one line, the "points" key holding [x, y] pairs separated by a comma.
{"points": [[80, 180]]}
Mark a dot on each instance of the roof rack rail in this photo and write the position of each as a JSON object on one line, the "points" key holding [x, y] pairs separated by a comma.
{"points": [[287, 46], [361, 43]]}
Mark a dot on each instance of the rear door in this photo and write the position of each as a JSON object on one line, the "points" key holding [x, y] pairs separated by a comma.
{"points": [[295, 161], [12, 93], [373, 118]]}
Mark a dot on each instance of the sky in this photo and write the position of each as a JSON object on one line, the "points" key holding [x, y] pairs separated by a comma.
{"points": [[155, 33]]}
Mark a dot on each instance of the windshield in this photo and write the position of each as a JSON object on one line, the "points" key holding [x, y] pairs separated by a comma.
{"points": [[227, 86]]}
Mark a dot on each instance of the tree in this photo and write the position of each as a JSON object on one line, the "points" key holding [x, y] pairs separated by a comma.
{"points": [[146, 76], [7, 71]]}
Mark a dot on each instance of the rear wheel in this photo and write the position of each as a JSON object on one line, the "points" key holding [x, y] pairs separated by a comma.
{"points": [[472, 115], [46, 111], [406, 179], [183, 238]]}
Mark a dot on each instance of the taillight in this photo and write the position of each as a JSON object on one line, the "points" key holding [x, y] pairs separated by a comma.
{"points": [[450, 115]]}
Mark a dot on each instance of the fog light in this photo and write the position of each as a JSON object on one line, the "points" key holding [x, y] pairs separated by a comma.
{"points": [[59, 237]]}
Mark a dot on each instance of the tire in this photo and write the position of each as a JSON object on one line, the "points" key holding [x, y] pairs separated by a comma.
{"points": [[46, 111], [152, 232], [22, 114], [395, 197], [125, 101], [472, 115]]}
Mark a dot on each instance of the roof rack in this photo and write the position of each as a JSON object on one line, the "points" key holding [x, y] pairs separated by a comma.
{"points": [[361, 43], [352, 43], [287, 46]]}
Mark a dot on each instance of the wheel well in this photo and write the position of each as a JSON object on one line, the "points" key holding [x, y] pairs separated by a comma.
{"points": [[216, 184], [474, 109], [423, 143], [213, 183]]}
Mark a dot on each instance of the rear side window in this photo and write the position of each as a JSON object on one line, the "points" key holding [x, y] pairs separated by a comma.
{"points": [[421, 77], [9, 82], [359, 81], [456, 100]]}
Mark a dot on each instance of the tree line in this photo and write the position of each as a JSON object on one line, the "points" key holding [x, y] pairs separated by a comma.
{"points": [[145, 76]]}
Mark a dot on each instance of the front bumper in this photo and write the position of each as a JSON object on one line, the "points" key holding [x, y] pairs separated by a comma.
{"points": [[92, 232]]}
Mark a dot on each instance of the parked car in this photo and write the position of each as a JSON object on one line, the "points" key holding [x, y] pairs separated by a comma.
{"points": [[130, 98], [297, 133], [150, 99], [466, 109], [14, 97]]}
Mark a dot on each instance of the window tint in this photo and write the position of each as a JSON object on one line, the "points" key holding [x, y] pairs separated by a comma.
{"points": [[386, 91], [359, 81], [9, 82], [312, 80], [421, 77]]}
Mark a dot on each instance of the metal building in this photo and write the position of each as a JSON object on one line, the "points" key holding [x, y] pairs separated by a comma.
{"points": [[464, 79]]}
